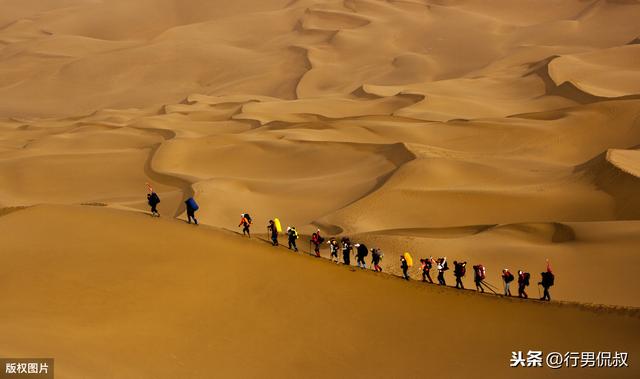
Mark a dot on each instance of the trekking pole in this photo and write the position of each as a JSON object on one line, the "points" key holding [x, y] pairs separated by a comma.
{"points": [[488, 285], [490, 289], [493, 288], [539, 294]]}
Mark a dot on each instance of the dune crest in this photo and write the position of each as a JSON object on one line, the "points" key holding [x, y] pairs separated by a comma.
{"points": [[471, 122]]}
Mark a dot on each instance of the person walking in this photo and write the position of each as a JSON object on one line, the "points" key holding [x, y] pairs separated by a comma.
{"points": [[361, 253], [273, 232], [245, 222], [333, 248], [523, 282], [479, 274], [346, 251], [405, 267], [426, 265], [292, 233], [548, 279], [316, 240], [192, 207], [442, 267], [376, 257], [153, 200], [507, 278], [459, 270]]}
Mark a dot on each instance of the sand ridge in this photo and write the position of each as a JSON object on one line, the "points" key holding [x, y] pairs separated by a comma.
{"points": [[316, 319]]}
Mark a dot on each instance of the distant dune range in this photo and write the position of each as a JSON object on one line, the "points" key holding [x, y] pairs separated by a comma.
{"points": [[491, 131]]}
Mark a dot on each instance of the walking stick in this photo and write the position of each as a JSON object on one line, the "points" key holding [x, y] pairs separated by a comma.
{"points": [[539, 295], [489, 287]]}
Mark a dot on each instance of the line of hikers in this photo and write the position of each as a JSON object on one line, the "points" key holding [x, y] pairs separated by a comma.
{"points": [[459, 271], [361, 252], [190, 204]]}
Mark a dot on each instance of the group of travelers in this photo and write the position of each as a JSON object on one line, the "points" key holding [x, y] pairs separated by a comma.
{"points": [[361, 252], [479, 277]]}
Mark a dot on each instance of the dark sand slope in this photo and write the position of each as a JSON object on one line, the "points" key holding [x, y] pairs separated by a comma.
{"points": [[116, 294]]}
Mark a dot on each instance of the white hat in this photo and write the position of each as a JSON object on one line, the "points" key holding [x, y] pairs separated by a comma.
{"points": [[357, 245]]}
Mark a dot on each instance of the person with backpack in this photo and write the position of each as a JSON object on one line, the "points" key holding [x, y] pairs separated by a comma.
{"points": [[523, 282], [405, 267], [292, 233], [346, 251], [361, 253], [245, 222], [376, 257], [316, 240], [192, 207], [507, 278], [459, 270], [272, 230], [333, 248], [425, 266], [547, 281], [153, 199], [479, 274], [442, 267]]}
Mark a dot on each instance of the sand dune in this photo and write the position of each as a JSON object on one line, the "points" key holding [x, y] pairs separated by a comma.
{"points": [[137, 297], [491, 131]]}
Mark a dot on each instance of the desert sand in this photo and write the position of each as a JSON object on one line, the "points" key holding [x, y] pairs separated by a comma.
{"points": [[115, 294], [493, 131]]}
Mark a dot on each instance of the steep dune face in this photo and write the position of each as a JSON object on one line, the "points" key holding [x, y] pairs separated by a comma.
{"points": [[357, 116], [156, 297], [605, 73]]}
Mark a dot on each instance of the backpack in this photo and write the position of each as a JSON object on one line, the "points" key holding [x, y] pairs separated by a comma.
{"points": [[526, 278], [246, 215], [509, 278], [314, 238], [463, 270], [445, 267], [547, 279], [480, 271], [428, 264], [191, 203], [320, 239], [155, 198]]}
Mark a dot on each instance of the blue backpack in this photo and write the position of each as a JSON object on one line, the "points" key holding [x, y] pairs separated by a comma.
{"points": [[192, 204]]}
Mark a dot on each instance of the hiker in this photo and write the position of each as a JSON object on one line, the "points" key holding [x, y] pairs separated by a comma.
{"points": [[273, 232], [245, 222], [346, 251], [523, 282], [426, 265], [153, 199], [293, 236], [361, 253], [459, 270], [547, 281], [405, 267], [442, 267], [316, 240], [376, 257], [192, 207], [479, 273], [333, 248], [507, 278]]}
